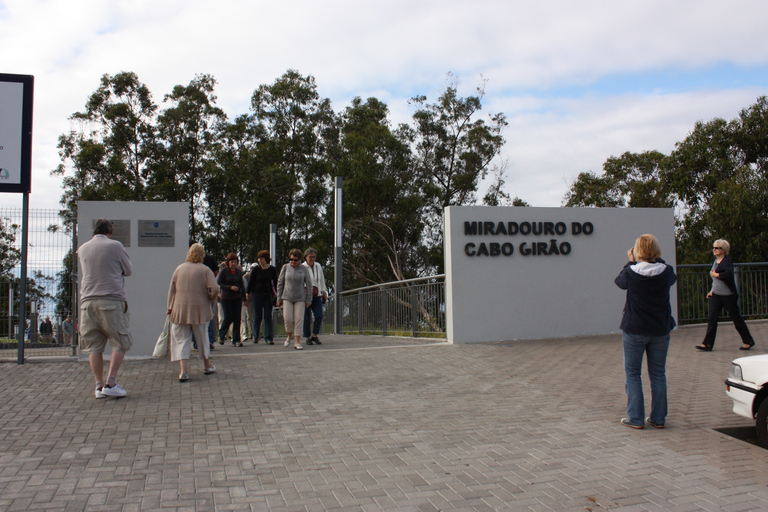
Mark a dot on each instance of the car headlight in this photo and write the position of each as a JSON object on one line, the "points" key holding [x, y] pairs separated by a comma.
{"points": [[735, 372]]}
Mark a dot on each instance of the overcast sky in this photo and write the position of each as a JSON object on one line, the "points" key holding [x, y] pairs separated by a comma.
{"points": [[579, 81]]}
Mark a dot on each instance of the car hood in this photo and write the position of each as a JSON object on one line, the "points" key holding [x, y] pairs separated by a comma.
{"points": [[754, 368]]}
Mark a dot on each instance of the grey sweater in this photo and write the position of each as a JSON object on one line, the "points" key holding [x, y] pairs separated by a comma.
{"points": [[103, 266], [294, 284]]}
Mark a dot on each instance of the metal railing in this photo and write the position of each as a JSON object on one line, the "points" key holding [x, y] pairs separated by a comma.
{"points": [[693, 284], [413, 307]]}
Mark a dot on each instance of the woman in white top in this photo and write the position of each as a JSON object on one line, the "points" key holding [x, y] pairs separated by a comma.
{"points": [[319, 296]]}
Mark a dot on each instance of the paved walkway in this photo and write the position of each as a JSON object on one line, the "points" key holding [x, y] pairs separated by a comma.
{"points": [[372, 423]]}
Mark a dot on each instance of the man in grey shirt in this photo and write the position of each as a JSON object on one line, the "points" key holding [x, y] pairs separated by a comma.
{"points": [[103, 306], [68, 330]]}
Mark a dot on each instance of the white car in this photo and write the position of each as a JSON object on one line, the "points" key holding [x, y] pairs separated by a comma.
{"points": [[747, 385]]}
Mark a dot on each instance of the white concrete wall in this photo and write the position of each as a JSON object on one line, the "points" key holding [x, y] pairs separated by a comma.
{"points": [[498, 298], [152, 266]]}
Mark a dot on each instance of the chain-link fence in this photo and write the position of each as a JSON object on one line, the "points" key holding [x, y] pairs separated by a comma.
{"points": [[50, 283]]}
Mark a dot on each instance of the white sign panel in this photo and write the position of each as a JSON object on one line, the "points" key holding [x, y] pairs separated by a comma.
{"points": [[530, 273], [16, 93]]}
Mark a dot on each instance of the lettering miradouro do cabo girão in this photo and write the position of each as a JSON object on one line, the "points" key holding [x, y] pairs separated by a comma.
{"points": [[527, 247]]}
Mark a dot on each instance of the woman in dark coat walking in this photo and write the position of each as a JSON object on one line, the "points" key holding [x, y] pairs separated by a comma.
{"points": [[230, 280], [724, 295]]}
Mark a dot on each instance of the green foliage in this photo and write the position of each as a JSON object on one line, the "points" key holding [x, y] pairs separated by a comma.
{"points": [[453, 151], [66, 281], [9, 254], [633, 179], [108, 153], [383, 199], [715, 179], [275, 164], [184, 148]]}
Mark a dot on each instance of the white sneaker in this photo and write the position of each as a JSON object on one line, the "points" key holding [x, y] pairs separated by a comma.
{"points": [[287, 342], [99, 394], [115, 391]]}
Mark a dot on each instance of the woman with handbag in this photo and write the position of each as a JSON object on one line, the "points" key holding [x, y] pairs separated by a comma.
{"points": [[319, 296], [294, 294], [262, 292], [192, 290]]}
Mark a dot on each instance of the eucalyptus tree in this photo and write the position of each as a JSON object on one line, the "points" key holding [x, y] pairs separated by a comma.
{"points": [[716, 179], [384, 205], [184, 147], [633, 179], [239, 197], [720, 175], [104, 156], [453, 151], [297, 127]]}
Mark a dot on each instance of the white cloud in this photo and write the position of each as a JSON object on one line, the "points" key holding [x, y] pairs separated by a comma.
{"points": [[398, 49]]}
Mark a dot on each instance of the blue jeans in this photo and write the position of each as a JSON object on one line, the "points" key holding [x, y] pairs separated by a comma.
{"points": [[656, 347], [316, 308], [262, 310]]}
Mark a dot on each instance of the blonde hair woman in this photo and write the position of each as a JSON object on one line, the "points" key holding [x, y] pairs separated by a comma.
{"points": [[724, 295], [646, 325], [193, 288]]}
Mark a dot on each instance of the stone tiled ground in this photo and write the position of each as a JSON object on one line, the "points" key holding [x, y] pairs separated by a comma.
{"points": [[371, 423]]}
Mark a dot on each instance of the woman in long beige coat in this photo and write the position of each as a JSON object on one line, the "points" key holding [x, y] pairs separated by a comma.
{"points": [[193, 288]]}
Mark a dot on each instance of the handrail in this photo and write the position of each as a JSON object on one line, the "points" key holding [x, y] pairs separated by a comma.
{"points": [[384, 285], [707, 265]]}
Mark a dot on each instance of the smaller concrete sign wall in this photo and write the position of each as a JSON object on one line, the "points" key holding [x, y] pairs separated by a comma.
{"points": [[530, 273], [166, 227]]}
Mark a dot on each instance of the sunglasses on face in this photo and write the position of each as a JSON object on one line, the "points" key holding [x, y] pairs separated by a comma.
{"points": [[294, 259], [717, 248]]}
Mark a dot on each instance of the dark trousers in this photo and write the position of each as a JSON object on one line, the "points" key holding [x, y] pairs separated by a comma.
{"points": [[731, 304], [262, 309], [316, 309], [232, 310]]}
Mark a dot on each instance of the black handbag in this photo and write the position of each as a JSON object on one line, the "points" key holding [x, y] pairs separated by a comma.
{"points": [[273, 295]]}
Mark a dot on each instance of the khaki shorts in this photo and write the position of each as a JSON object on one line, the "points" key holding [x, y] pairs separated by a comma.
{"points": [[102, 320]]}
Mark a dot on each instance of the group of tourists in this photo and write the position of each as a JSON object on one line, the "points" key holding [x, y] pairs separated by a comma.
{"points": [[647, 322], [300, 290], [195, 288]]}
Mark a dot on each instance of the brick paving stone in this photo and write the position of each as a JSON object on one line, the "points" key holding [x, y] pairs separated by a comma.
{"points": [[386, 424]]}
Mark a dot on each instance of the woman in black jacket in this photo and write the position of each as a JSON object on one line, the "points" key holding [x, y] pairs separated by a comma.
{"points": [[646, 324], [230, 280], [262, 291], [724, 295]]}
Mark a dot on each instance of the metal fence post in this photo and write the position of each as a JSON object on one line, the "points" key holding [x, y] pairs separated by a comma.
{"points": [[413, 311], [360, 312], [383, 295]]}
